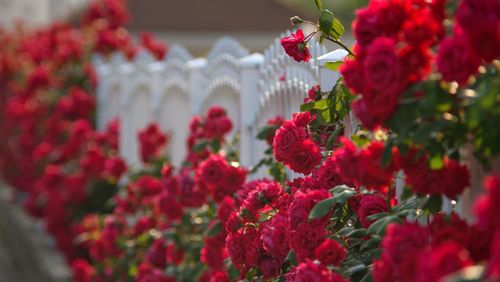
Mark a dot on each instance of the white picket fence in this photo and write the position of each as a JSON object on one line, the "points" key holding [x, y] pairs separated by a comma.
{"points": [[251, 87]]}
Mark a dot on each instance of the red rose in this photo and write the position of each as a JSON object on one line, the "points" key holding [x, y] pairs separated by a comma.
{"points": [[493, 268], [391, 14], [314, 94], [382, 71], [366, 27], [305, 239], [485, 208], [274, 237], [439, 261], [400, 246], [421, 29], [455, 60], [169, 205], [212, 171], [269, 267], [287, 136], [370, 205], [295, 46], [310, 271], [304, 157], [416, 62], [235, 244], [480, 19], [82, 271], [156, 254], [302, 204], [216, 112], [214, 276], [330, 252], [352, 72], [303, 119], [115, 167], [451, 179], [328, 175]]}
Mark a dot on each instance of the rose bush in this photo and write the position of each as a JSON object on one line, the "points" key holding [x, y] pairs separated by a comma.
{"points": [[422, 80]]}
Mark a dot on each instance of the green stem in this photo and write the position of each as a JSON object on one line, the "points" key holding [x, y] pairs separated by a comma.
{"points": [[338, 42]]}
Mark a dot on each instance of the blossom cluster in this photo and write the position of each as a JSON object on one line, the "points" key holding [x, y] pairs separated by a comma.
{"points": [[61, 167]]}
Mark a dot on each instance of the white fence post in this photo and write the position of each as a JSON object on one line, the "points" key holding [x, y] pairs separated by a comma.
{"points": [[250, 71], [171, 104], [103, 72], [137, 111], [195, 80]]}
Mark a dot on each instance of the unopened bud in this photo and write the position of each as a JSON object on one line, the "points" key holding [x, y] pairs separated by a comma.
{"points": [[296, 20]]}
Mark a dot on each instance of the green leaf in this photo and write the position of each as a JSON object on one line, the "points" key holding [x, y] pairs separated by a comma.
{"points": [[291, 257], [358, 233], [214, 230], [200, 146], [338, 29], [377, 216], [342, 193], [433, 204], [346, 231], [368, 278], [387, 154], [264, 133], [307, 107], [321, 105], [379, 226], [215, 145], [319, 4], [330, 25], [333, 66], [322, 208], [251, 274]]}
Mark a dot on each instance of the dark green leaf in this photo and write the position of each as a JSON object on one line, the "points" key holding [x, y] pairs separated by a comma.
{"points": [[387, 155], [322, 208], [215, 145], [367, 278], [326, 21], [291, 257], [264, 133], [377, 216], [200, 146], [330, 25], [251, 274], [358, 233], [378, 227], [215, 229], [434, 204], [371, 244], [342, 193]]}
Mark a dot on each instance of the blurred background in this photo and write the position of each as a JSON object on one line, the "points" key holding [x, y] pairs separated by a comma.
{"points": [[196, 24]]}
